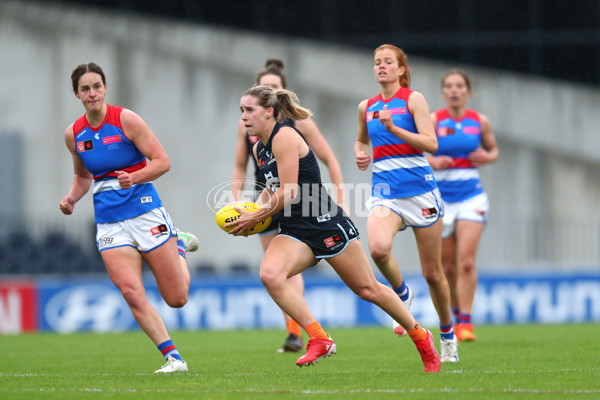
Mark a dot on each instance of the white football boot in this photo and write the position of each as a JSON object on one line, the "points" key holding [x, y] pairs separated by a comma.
{"points": [[398, 329], [449, 349], [189, 240], [172, 365]]}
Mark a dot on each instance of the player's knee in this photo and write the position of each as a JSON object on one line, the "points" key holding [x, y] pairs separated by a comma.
{"points": [[134, 298], [380, 252], [271, 277], [176, 300], [468, 265], [433, 276], [368, 293]]}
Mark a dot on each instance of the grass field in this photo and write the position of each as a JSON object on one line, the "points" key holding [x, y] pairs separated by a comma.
{"points": [[535, 362]]}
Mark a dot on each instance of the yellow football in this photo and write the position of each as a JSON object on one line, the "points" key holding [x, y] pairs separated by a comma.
{"points": [[229, 214]]}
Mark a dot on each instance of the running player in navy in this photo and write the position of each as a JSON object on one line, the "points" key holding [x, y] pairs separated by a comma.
{"points": [[110, 147], [405, 194], [466, 141], [313, 226], [274, 77]]}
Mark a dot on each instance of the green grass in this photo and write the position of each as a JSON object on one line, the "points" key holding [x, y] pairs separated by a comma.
{"points": [[537, 362]]}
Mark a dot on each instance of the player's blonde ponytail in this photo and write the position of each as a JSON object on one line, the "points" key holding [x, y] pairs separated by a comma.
{"points": [[285, 103], [289, 107]]}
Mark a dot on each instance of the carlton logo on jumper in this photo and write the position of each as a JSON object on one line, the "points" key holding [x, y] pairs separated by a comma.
{"points": [[324, 218]]}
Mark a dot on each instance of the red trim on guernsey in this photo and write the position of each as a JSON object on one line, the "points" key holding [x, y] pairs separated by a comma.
{"points": [[112, 117], [443, 114], [440, 115], [78, 126], [129, 169], [394, 150], [461, 163], [168, 349], [472, 114], [406, 92]]}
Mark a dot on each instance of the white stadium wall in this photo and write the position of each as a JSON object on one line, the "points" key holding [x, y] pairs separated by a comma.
{"points": [[186, 80]]}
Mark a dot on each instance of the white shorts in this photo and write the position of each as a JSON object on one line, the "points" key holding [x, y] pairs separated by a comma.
{"points": [[144, 232], [472, 209], [416, 211]]}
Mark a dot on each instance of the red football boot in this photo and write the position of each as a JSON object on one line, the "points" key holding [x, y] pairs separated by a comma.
{"points": [[429, 355], [315, 350]]}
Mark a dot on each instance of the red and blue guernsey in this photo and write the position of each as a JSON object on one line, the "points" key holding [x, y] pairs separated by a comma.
{"points": [[104, 150], [457, 138], [399, 170]]}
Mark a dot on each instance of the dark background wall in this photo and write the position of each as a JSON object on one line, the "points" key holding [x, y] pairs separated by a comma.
{"points": [[554, 38]]}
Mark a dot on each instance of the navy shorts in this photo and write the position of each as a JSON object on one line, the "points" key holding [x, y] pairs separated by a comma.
{"points": [[273, 226], [326, 241]]}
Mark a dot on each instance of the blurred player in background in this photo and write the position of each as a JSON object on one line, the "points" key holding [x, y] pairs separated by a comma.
{"points": [[312, 227], [465, 142], [110, 147], [404, 194], [274, 77]]}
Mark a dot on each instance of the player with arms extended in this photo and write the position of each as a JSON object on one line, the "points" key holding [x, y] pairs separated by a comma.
{"points": [[313, 226], [466, 141], [110, 147]]}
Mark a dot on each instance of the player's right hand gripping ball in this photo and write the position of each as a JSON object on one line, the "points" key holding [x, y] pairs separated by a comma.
{"points": [[229, 214]]}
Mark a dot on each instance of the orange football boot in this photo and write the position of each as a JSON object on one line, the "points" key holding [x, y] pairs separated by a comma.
{"points": [[464, 333]]}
